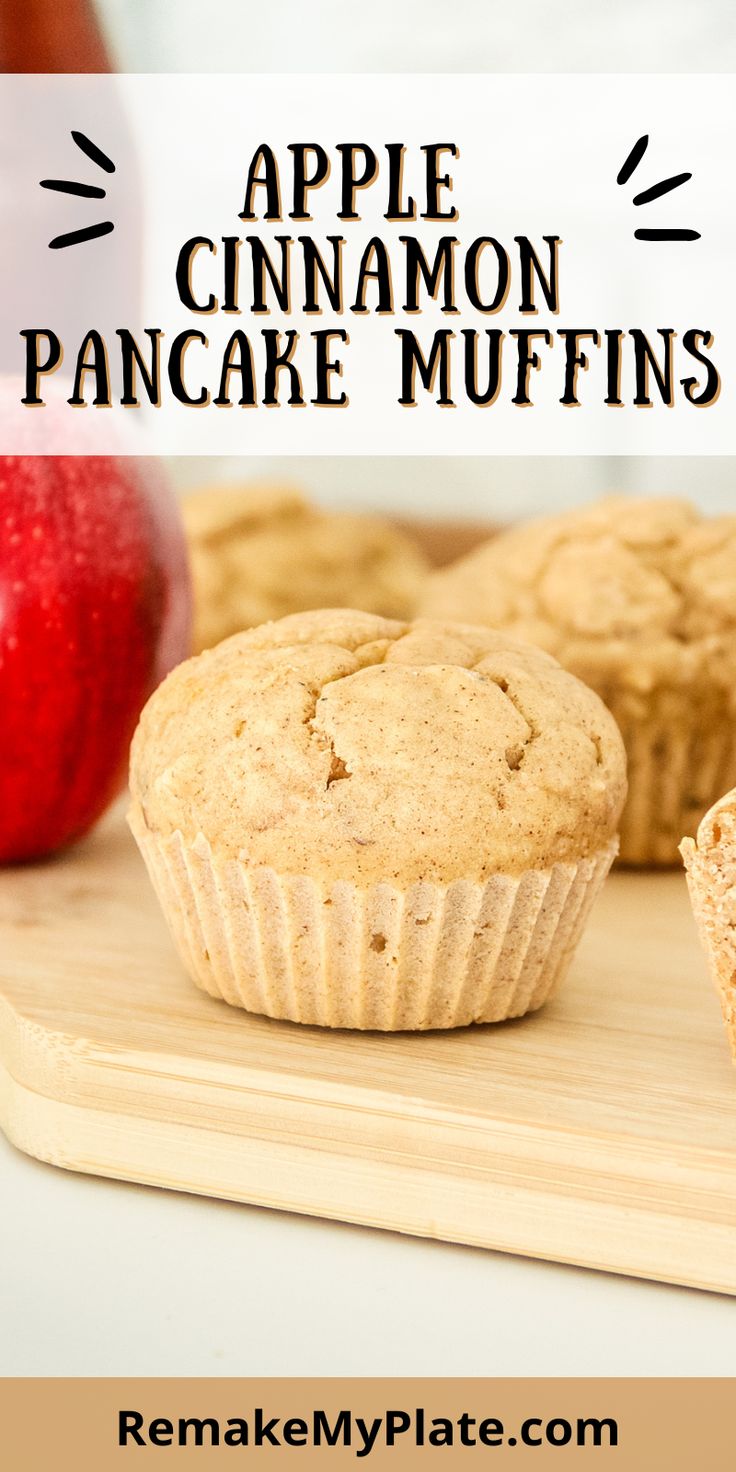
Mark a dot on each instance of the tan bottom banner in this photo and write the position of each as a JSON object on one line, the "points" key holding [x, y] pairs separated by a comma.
{"points": [[95, 1424]]}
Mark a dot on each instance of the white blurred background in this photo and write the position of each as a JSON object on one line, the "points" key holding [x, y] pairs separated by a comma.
{"points": [[422, 35], [431, 35]]}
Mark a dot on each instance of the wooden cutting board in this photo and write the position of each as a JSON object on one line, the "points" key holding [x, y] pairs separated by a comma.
{"points": [[600, 1131]]}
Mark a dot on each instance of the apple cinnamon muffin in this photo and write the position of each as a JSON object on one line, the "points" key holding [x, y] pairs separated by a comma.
{"points": [[261, 552], [358, 822], [638, 599], [710, 861]]}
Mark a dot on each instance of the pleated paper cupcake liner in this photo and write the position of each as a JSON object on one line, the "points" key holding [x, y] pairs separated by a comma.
{"points": [[342, 956], [681, 758]]}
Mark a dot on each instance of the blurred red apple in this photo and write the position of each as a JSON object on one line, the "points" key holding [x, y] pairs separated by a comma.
{"points": [[94, 609]]}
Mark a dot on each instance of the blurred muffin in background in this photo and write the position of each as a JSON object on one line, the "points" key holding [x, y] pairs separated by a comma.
{"points": [[638, 599], [261, 552]]}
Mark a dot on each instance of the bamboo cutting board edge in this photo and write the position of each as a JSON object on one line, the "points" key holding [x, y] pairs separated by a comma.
{"points": [[650, 1245], [167, 1087]]}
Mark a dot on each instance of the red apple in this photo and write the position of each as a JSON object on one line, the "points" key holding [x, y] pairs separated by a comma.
{"points": [[94, 609]]}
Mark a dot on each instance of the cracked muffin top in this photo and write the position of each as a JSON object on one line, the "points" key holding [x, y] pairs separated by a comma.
{"points": [[260, 552], [345, 746], [643, 591]]}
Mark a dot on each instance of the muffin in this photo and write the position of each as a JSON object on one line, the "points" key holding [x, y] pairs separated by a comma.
{"points": [[710, 861], [362, 823], [638, 599], [261, 552]]}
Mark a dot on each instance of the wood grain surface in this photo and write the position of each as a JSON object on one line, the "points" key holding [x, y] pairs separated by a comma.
{"points": [[600, 1131]]}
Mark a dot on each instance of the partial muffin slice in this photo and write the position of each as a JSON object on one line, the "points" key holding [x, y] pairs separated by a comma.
{"points": [[710, 861]]}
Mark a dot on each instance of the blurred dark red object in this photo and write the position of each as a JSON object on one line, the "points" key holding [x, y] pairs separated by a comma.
{"points": [[94, 611], [51, 36]]}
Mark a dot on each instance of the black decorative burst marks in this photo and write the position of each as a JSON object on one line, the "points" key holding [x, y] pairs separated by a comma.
{"points": [[83, 191], [655, 191]]}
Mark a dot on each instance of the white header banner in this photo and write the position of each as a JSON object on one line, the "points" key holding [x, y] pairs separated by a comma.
{"points": [[368, 264]]}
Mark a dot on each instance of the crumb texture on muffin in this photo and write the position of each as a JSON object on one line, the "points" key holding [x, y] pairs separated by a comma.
{"points": [[349, 747], [710, 861], [262, 552], [643, 590]]}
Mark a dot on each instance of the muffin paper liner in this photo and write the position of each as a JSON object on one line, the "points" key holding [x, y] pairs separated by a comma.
{"points": [[338, 955], [681, 757], [713, 898]]}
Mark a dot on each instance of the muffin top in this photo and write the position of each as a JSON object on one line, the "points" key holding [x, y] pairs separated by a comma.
{"points": [[260, 552], [716, 833], [346, 746], [643, 591]]}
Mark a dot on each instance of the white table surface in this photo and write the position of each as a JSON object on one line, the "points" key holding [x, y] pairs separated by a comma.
{"points": [[103, 1278]]}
